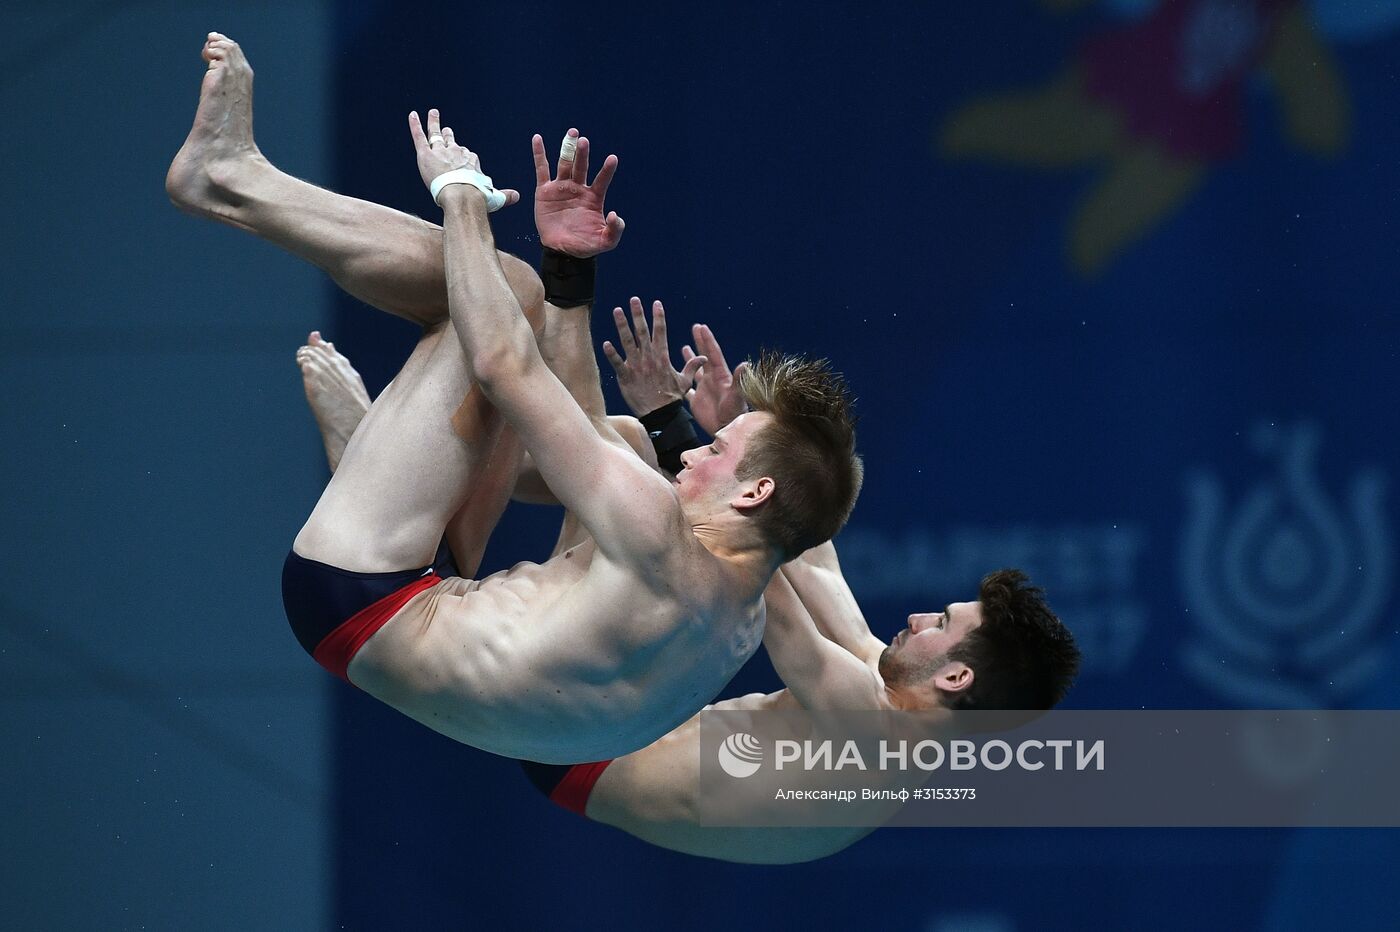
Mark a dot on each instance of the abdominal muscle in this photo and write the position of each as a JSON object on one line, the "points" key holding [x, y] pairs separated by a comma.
{"points": [[558, 662]]}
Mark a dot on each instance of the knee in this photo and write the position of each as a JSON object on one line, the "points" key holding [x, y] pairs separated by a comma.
{"points": [[408, 283]]}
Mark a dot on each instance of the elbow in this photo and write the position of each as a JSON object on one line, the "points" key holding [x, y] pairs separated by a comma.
{"points": [[488, 370], [499, 365]]}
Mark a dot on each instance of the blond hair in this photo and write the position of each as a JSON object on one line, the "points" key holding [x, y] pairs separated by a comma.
{"points": [[809, 449]]}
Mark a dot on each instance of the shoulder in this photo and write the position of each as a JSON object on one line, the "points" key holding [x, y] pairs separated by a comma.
{"points": [[671, 540], [637, 504], [634, 435]]}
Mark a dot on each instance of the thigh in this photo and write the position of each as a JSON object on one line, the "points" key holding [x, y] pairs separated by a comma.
{"points": [[406, 472], [472, 526]]}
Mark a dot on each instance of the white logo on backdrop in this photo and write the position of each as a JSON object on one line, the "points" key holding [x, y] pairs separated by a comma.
{"points": [[1285, 588]]}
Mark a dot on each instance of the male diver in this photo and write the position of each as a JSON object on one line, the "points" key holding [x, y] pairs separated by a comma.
{"points": [[612, 642]]}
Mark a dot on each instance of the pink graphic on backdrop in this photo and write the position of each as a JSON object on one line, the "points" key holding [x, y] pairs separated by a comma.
{"points": [[1156, 104]]}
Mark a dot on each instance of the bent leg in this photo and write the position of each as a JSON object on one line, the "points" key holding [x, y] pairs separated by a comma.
{"points": [[339, 402], [334, 391], [475, 522], [338, 399], [386, 258], [405, 472], [565, 345]]}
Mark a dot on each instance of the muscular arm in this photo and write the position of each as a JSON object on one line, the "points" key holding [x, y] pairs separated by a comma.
{"points": [[623, 503], [570, 220], [568, 344], [572, 532], [573, 230], [816, 578], [631, 512], [818, 672]]}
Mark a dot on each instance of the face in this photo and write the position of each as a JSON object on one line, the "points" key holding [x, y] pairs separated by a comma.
{"points": [[707, 477], [916, 651]]}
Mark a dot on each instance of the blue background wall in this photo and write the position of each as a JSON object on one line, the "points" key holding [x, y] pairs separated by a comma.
{"points": [[165, 758], [785, 177], [1190, 444]]}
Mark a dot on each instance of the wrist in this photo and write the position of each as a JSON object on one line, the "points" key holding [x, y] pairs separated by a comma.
{"points": [[661, 414], [672, 432], [464, 175], [460, 196], [568, 280]]}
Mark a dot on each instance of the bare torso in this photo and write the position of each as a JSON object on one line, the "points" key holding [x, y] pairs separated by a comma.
{"points": [[652, 794], [575, 659]]}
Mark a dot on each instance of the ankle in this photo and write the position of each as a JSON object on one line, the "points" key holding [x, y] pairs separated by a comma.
{"points": [[239, 175]]}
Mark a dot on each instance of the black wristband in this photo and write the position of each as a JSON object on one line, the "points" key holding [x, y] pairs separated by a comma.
{"points": [[568, 281], [672, 432]]}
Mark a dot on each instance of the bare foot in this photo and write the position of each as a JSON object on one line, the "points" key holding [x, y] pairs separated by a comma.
{"points": [[220, 147], [335, 392]]}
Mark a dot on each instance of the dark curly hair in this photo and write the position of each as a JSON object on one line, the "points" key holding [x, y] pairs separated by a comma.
{"points": [[1022, 656]]}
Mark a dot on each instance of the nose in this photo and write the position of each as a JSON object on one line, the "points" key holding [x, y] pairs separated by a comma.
{"points": [[686, 457], [919, 622]]}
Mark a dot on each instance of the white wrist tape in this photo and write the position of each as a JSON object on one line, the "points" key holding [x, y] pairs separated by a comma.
{"points": [[495, 200]]}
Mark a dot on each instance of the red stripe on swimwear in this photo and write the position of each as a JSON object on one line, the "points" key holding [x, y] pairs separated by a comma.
{"points": [[338, 648], [573, 791]]}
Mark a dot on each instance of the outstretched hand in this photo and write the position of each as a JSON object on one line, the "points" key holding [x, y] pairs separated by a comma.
{"points": [[715, 400], [568, 210], [438, 152], [646, 377]]}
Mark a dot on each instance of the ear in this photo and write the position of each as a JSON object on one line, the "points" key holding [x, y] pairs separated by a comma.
{"points": [[953, 677], [755, 493]]}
